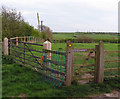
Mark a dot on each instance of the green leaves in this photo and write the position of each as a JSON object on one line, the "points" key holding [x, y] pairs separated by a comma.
{"points": [[13, 25]]}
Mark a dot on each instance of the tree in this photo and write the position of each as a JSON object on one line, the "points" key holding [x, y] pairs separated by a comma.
{"points": [[11, 21], [14, 25], [47, 32]]}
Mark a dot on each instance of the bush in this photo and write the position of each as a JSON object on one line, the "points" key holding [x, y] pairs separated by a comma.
{"points": [[44, 35]]}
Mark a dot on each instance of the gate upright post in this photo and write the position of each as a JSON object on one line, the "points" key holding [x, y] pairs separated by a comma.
{"points": [[99, 64], [47, 55], [5, 46], [9, 43], [16, 41], [29, 39], [24, 39], [69, 63]]}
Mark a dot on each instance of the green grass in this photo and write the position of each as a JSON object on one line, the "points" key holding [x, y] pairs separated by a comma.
{"points": [[108, 46], [62, 36], [19, 80], [59, 36]]}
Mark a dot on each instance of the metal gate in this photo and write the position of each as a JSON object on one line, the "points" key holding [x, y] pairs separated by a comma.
{"points": [[54, 67], [27, 54], [51, 64]]}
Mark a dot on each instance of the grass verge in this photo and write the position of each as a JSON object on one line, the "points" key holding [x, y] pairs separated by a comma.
{"points": [[20, 81]]}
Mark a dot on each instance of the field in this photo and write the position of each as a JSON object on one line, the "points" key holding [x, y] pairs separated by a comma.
{"points": [[59, 36], [85, 37], [19, 81]]}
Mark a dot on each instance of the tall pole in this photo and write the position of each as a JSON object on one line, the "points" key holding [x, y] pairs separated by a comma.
{"points": [[38, 21], [41, 26]]}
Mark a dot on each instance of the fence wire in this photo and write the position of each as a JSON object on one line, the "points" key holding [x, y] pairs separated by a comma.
{"points": [[54, 66]]}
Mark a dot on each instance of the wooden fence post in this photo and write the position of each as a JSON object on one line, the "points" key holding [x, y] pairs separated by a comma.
{"points": [[69, 63], [16, 41], [99, 64], [24, 39], [29, 39], [47, 46], [5, 46]]}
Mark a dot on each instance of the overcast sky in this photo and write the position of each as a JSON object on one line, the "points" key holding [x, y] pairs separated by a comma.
{"points": [[69, 15]]}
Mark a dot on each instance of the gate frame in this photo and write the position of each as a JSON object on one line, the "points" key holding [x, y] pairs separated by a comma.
{"points": [[99, 63]]}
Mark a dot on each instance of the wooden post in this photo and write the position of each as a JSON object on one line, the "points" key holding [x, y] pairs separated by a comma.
{"points": [[29, 39], [47, 46], [24, 39], [69, 63], [99, 64], [97, 56], [5, 46], [16, 41]]}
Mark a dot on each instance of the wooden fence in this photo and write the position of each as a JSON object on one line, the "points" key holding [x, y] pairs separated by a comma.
{"points": [[97, 67], [29, 39], [110, 63]]}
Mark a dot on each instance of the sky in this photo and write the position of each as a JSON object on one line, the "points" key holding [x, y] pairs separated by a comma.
{"points": [[69, 15]]}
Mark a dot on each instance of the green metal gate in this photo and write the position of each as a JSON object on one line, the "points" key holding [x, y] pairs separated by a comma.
{"points": [[54, 67]]}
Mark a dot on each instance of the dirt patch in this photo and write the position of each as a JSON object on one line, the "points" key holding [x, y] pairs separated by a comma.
{"points": [[85, 81], [113, 95]]}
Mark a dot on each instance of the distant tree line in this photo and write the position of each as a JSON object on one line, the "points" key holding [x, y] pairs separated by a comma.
{"points": [[14, 25]]}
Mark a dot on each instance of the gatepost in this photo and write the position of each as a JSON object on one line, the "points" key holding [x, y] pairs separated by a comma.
{"points": [[69, 63], [5, 46], [46, 55]]}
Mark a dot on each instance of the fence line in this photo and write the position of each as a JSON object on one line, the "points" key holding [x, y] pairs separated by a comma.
{"points": [[50, 65], [17, 40]]}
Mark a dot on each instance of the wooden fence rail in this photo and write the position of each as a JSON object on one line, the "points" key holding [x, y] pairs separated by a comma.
{"points": [[98, 65], [30, 39]]}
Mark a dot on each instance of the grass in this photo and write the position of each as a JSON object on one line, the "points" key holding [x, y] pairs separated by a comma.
{"points": [[62, 36], [108, 46], [19, 80], [59, 36]]}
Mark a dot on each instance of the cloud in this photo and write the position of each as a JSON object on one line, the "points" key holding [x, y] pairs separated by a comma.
{"points": [[69, 15]]}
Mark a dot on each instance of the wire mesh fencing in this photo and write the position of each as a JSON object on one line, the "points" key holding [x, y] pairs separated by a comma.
{"points": [[54, 66]]}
